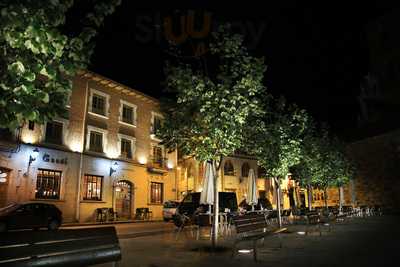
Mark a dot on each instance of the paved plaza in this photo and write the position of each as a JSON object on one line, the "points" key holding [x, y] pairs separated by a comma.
{"points": [[371, 241]]}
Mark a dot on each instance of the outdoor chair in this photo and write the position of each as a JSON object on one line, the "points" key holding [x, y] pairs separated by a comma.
{"points": [[139, 215], [203, 220], [112, 215], [101, 214], [185, 221]]}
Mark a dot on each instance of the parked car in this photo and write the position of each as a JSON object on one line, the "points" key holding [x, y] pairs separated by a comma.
{"points": [[30, 216], [191, 203], [169, 209]]}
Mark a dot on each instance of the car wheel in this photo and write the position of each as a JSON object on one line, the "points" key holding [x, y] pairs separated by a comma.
{"points": [[53, 225], [3, 227]]}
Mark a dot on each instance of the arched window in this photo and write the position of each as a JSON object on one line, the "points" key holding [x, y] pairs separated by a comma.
{"points": [[228, 168], [261, 172], [190, 170], [245, 169]]}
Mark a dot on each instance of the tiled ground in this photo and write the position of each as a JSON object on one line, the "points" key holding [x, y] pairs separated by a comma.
{"points": [[362, 242]]}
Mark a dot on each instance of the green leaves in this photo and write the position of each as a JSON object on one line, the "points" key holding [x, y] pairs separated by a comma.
{"points": [[275, 137], [210, 111], [324, 162], [39, 59], [16, 68]]}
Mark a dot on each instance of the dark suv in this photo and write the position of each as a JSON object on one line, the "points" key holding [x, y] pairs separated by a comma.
{"points": [[30, 216], [191, 202]]}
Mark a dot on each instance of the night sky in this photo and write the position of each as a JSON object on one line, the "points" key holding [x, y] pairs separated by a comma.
{"points": [[315, 56]]}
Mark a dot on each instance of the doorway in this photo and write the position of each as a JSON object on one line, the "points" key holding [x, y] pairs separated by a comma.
{"points": [[123, 199], [302, 200]]}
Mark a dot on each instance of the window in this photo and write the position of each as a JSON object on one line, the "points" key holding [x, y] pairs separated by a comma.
{"points": [[96, 142], [54, 132], [98, 103], [156, 193], [157, 155], [156, 123], [31, 125], [48, 184], [245, 169], [92, 188], [126, 148], [228, 168], [190, 170], [127, 113], [96, 139]]}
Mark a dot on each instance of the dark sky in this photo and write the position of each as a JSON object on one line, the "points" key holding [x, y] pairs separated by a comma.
{"points": [[315, 56]]}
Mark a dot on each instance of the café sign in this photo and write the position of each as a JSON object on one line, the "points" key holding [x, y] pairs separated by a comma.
{"points": [[48, 158]]}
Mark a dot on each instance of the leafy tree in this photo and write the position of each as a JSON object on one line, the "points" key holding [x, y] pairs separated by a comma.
{"points": [[38, 59], [276, 139], [323, 163], [209, 115]]}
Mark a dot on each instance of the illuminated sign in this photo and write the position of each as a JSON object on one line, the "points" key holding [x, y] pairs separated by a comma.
{"points": [[47, 158]]}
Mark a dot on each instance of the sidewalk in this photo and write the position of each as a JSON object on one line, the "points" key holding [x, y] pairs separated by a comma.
{"points": [[130, 229], [361, 242], [72, 224]]}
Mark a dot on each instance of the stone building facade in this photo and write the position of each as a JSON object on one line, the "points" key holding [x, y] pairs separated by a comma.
{"points": [[378, 179], [102, 153]]}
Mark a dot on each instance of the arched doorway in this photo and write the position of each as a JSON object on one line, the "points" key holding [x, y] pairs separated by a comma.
{"points": [[123, 199]]}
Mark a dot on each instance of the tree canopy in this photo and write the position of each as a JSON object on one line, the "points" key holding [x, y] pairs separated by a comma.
{"points": [[324, 163], [276, 138], [209, 115], [38, 58]]}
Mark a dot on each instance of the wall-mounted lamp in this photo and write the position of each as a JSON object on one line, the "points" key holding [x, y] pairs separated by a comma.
{"points": [[170, 165], [114, 168], [33, 156], [142, 160]]}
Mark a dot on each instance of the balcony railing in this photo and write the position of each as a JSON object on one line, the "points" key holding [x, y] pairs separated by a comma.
{"points": [[159, 164], [153, 132]]}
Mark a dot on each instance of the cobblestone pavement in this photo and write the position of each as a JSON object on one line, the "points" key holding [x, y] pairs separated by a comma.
{"points": [[363, 242], [131, 230]]}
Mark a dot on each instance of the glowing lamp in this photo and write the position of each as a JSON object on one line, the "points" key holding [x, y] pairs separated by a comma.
{"points": [[75, 146], [170, 165], [28, 138], [112, 153], [142, 160]]}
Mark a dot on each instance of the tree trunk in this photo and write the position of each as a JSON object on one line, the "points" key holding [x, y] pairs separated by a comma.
{"points": [[340, 199], [214, 237], [278, 200], [326, 198], [309, 195]]}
